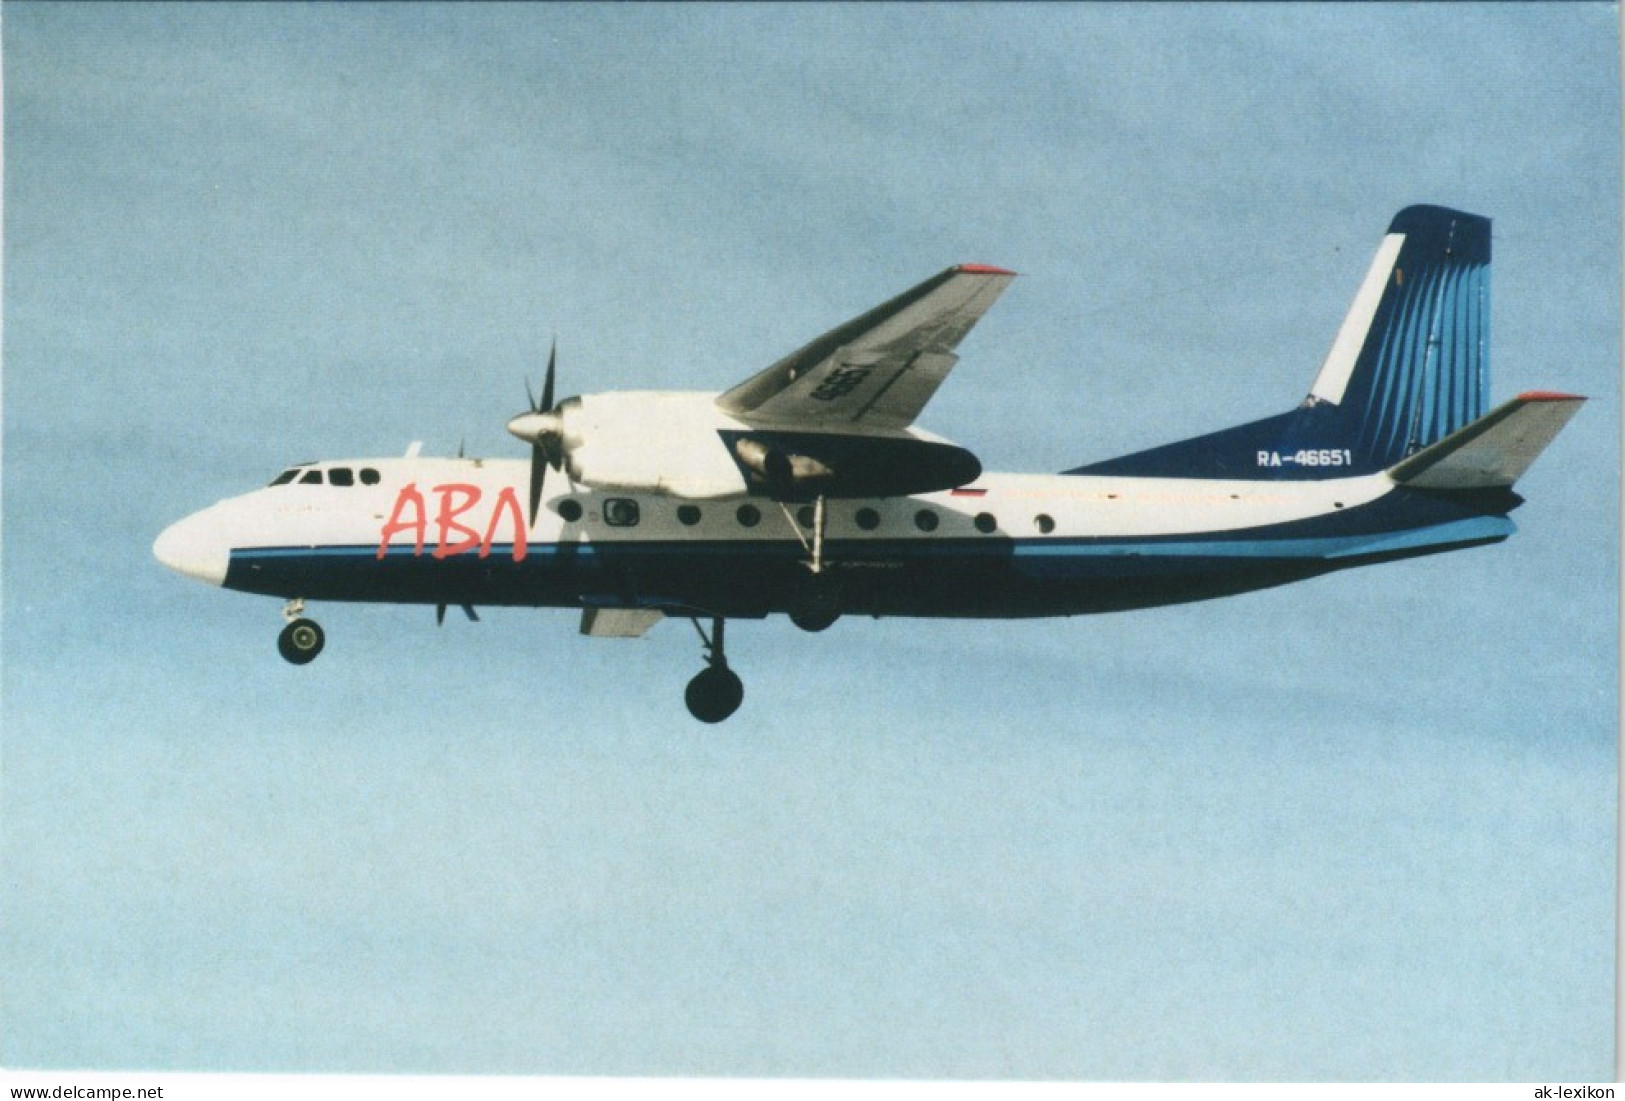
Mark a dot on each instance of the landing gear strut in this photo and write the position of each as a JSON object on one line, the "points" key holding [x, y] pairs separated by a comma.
{"points": [[716, 692], [302, 639], [817, 602]]}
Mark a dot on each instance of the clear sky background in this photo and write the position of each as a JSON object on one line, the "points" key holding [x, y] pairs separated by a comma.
{"points": [[1361, 827]]}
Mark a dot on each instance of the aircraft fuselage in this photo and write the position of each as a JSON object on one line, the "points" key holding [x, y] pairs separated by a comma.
{"points": [[453, 531]]}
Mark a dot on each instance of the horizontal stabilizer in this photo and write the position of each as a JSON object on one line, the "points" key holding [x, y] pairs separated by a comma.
{"points": [[1493, 451]]}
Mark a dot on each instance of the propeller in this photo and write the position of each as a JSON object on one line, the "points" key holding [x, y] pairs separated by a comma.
{"points": [[543, 429]]}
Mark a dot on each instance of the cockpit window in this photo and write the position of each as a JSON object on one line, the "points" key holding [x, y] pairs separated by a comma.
{"points": [[336, 476]]}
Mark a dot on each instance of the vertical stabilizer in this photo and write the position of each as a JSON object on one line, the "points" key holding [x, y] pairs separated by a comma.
{"points": [[1420, 369], [1408, 367]]}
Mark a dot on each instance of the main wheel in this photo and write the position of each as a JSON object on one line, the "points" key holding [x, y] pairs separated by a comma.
{"points": [[300, 641], [714, 694]]}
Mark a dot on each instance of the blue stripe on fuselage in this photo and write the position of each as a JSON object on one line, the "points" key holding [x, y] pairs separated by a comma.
{"points": [[1477, 530]]}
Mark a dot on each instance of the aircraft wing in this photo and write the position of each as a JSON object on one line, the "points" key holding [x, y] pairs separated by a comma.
{"points": [[877, 370]]}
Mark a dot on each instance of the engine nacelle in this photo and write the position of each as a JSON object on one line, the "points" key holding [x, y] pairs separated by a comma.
{"points": [[651, 441], [793, 465], [682, 444], [783, 470]]}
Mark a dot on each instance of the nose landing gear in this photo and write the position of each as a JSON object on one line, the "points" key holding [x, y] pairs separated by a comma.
{"points": [[716, 692], [302, 639]]}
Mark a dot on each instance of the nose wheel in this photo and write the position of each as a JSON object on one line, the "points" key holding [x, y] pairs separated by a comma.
{"points": [[302, 639], [716, 691]]}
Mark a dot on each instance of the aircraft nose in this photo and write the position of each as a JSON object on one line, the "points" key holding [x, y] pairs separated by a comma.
{"points": [[195, 547]]}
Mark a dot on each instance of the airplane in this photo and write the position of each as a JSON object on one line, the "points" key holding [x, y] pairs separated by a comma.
{"points": [[807, 490]]}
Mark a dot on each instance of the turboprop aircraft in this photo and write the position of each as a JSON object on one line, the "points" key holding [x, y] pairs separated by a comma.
{"points": [[807, 490]]}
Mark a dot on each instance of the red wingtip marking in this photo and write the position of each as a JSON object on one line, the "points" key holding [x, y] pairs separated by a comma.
{"points": [[966, 491], [1548, 395], [983, 269]]}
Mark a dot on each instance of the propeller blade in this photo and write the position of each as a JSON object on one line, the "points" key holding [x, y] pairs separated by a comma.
{"points": [[538, 473], [439, 615], [541, 428], [547, 383]]}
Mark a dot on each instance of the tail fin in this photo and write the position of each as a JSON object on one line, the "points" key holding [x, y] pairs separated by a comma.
{"points": [[1493, 451], [1409, 366], [1411, 363]]}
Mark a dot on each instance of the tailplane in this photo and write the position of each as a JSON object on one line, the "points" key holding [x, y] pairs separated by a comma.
{"points": [[1409, 367], [1493, 451]]}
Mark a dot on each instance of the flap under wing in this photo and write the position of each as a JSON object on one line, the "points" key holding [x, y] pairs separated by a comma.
{"points": [[877, 370]]}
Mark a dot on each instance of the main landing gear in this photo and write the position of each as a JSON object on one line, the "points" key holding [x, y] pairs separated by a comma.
{"points": [[302, 639], [716, 692]]}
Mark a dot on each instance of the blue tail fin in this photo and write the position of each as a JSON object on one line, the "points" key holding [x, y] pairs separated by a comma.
{"points": [[1410, 365]]}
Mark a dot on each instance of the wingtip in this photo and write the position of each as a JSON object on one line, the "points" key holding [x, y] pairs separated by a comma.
{"points": [[1549, 395], [982, 269]]}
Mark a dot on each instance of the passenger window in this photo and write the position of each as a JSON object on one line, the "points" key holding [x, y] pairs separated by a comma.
{"points": [[1044, 522], [748, 515], [369, 476], [620, 512], [925, 520], [985, 523], [570, 510], [868, 519], [689, 515], [311, 478], [285, 477], [341, 476]]}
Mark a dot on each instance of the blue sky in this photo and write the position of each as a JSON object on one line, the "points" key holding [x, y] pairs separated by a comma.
{"points": [[1362, 827]]}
